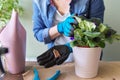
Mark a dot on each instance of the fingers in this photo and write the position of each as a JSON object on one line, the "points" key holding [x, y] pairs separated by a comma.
{"points": [[46, 60], [68, 30], [62, 59], [44, 55], [69, 26], [64, 51], [50, 63], [70, 20]]}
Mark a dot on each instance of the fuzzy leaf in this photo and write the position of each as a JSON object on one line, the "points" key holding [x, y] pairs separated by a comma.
{"points": [[92, 34]]}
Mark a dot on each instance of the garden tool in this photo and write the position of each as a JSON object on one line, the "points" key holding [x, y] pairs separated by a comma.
{"points": [[54, 77], [36, 74]]}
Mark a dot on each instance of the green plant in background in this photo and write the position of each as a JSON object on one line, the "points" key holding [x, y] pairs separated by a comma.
{"points": [[92, 33], [6, 7]]}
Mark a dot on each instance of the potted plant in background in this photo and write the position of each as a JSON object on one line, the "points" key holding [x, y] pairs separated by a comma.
{"points": [[6, 7], [90, 36]]}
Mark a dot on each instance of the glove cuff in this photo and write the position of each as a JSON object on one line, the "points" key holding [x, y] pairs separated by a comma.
{"points": [[59, 27], [70, 48]]}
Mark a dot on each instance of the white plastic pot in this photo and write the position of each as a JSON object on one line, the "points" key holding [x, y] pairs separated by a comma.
{"points": [[86, 61]]}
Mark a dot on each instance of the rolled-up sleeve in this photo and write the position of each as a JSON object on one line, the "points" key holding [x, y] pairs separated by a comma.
{"points": [[41, 32]]}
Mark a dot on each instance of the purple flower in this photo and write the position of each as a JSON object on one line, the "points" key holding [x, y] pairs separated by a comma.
{"points": [[71, 38]]}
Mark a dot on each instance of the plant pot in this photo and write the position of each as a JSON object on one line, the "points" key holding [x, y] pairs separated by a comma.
{"points": [[86, 61]]}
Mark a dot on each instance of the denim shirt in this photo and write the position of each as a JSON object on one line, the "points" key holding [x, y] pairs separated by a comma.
{"points": [[44, 11]]}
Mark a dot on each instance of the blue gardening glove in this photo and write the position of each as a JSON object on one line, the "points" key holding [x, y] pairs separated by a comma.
{"points": [[65, 27], [54, 56]]}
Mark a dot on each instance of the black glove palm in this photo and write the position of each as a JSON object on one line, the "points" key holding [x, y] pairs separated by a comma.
{"points": [[55, 55]]}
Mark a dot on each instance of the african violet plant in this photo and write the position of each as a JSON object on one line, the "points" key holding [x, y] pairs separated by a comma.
{"points": [[92, 33], [6, 7]]}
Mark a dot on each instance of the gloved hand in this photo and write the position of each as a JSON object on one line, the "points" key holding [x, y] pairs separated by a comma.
{"points": [[54, 56], [65, 27]]}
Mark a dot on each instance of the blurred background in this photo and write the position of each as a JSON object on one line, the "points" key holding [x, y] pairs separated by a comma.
{"points": [[35, 48]]}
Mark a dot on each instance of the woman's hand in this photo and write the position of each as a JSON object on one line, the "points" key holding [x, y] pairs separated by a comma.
{"points": [[62, 6]]}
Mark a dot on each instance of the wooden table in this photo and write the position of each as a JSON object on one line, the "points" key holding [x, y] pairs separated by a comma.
{"points": [[107, 71]]}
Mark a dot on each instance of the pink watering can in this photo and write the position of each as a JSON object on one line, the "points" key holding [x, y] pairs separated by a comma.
{"points": [[13, 36]]}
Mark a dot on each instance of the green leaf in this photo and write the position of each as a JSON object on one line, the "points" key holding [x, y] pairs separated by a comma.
{"points": [[78, 19], [6, 7], [92, 34], [78, 34], [116, 37], [101, 44], [102, 27], [91, 44], [97, 21]]}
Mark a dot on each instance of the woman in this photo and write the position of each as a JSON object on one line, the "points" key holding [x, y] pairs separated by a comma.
{"points": [[52, 19]]}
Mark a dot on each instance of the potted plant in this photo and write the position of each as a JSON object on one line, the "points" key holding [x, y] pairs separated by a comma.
{"points": [[90, 36], [6, 7]]}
